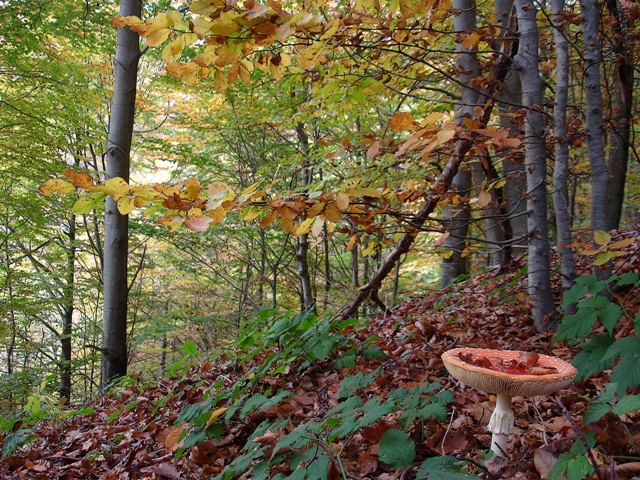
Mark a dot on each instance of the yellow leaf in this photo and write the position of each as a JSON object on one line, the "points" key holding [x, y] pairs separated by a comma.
{"points": [[447, 253], [120, 21], [55, 185], [601, 237], [218, 190], [112, 186], [304, 227], [315, 209], [214, 416], [369, 250], [157, 37], [471, 41], [193, 187], [252, 213], [126, 204], [368, 192], [445, 135], [220, 81], [622, 243], [352, 241], [401, 121], [218, 215]]}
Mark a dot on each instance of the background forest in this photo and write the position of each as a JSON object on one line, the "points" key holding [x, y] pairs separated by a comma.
{"points": [[334, 158]]}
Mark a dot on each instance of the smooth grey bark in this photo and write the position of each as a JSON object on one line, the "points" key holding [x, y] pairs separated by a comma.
{"points": [[593, 127], [621, 112], [457, 217], [561, 150], [116, 228], [302, 250], [513, 161], [539, 277]]}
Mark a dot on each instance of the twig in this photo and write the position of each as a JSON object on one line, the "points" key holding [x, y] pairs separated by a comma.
{"points": [[408, 469], [544, 429], [581, 436], [447, 431], [338, 463]]}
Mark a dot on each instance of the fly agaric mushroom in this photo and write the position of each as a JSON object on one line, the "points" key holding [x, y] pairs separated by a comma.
{"points": [[507, 373]]}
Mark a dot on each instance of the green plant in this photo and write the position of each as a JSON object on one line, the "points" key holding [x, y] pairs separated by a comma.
{"points": [[283, 344]]}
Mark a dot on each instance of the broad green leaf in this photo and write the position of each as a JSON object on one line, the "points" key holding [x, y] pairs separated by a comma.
{"points": [[595, 412], [576, 326], [397, 449], [442, 468], [349, 385], [627, 404], [86, 204], [579, 468], [190, 348]]}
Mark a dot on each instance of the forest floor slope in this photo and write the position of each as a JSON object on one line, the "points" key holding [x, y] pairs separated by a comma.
{"points": [[132, 433]]}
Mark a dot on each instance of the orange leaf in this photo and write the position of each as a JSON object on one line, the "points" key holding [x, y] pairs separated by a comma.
{"points": [[374, 150], [332, 213], [173, 442], [79, 179], [401, 121]]}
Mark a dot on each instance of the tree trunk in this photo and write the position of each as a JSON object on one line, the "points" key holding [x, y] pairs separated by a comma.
{"points": [[67, 309], [513, 161], [114, 325], [561, 148], [302, 251], [456, 217], [593, 127], [539, 277], [620, 117]]}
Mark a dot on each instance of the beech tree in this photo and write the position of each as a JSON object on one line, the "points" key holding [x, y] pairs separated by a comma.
{"points": [[116, 233]]}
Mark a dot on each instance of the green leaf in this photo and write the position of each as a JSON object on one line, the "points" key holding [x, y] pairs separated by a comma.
{"points": [[397, 449], [627, 374], [574, 294], [610, 316], [349, 385], [627, 404], [190, 348], [576, 326], [560, 466], [86, 204], [591, 359], [595, 412], [442, 468], [579, 468]]}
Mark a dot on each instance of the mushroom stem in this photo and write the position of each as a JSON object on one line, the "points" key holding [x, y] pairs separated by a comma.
{"points": [[501, 424]]}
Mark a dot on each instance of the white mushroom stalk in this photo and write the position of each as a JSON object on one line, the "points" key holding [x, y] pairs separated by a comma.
{"points": [[507, 373]]}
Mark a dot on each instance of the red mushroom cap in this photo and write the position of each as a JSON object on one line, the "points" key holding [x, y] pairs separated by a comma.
{"points": [[491, 381]]}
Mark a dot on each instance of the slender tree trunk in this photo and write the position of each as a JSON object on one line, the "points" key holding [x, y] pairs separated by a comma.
{"points": [[593, 127], [621, 116], [543, 308], [67, 309], [457, 216], [302, 251], [513, 160], [561, 167], [114, 326]]}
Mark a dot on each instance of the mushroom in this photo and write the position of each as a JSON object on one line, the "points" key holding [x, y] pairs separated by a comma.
{"points": [[507, 373]]}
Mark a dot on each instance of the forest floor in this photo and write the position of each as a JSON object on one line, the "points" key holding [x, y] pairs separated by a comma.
{"points": [[488, 311]]}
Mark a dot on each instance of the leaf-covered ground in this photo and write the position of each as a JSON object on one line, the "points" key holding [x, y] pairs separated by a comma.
{"points": [[132, 433]]}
